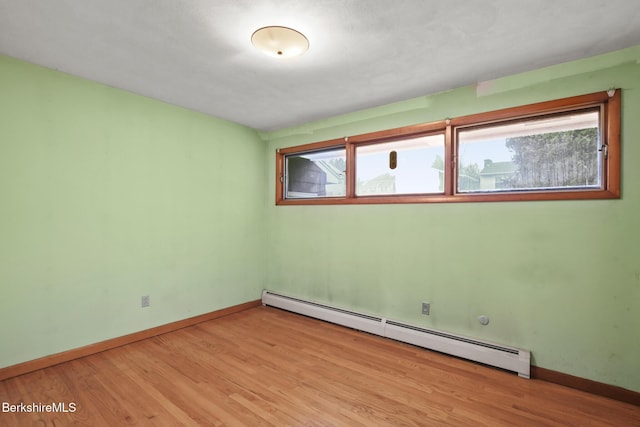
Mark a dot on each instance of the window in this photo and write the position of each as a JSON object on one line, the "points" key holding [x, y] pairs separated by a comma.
{"points": [[555, 150], [414, 170], [316, 174]]}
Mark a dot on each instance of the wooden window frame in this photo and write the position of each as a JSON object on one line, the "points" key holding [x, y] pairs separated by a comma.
{"points": [[609, 103]]}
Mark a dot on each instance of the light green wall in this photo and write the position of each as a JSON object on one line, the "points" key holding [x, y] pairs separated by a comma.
{"points": [[106, 196], [559, 278]]}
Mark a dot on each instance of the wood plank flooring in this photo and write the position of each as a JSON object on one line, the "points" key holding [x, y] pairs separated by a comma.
{"points": [[266, 367]]}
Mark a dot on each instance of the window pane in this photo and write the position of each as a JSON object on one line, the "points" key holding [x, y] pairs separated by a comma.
{"points": [[416, 166], [551, 153], [317, 174]]}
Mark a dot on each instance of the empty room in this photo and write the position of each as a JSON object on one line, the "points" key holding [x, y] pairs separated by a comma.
{"points": [[329, 213]]}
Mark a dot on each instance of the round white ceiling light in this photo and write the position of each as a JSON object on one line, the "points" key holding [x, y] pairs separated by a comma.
{"points": [[280, 42]]}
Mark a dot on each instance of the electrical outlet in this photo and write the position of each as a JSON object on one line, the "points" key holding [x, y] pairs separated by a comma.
{"points": [[145, 302], [425, 308]]}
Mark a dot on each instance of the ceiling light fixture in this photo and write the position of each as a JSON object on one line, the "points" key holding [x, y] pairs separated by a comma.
{"points": [[280, 42]]}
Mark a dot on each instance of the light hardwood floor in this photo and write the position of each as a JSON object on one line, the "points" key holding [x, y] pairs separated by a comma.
{"points": [[264, 366]]}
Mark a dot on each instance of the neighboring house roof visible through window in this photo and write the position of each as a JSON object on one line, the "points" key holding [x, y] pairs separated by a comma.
{"points": [[498, 168]]}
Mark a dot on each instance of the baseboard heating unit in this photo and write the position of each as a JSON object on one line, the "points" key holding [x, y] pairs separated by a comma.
{"points": [[508, 358]]}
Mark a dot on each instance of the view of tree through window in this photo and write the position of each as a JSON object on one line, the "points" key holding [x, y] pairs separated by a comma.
{"points": [[563, 149], [543, 153], [558, 159]]}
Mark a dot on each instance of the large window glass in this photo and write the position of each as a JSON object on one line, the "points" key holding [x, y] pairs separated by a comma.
{"points": [[564, 149], [408, 166], [554, 152]]}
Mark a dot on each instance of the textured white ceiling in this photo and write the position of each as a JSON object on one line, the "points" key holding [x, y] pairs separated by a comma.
{"points": [[364, 53]]}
